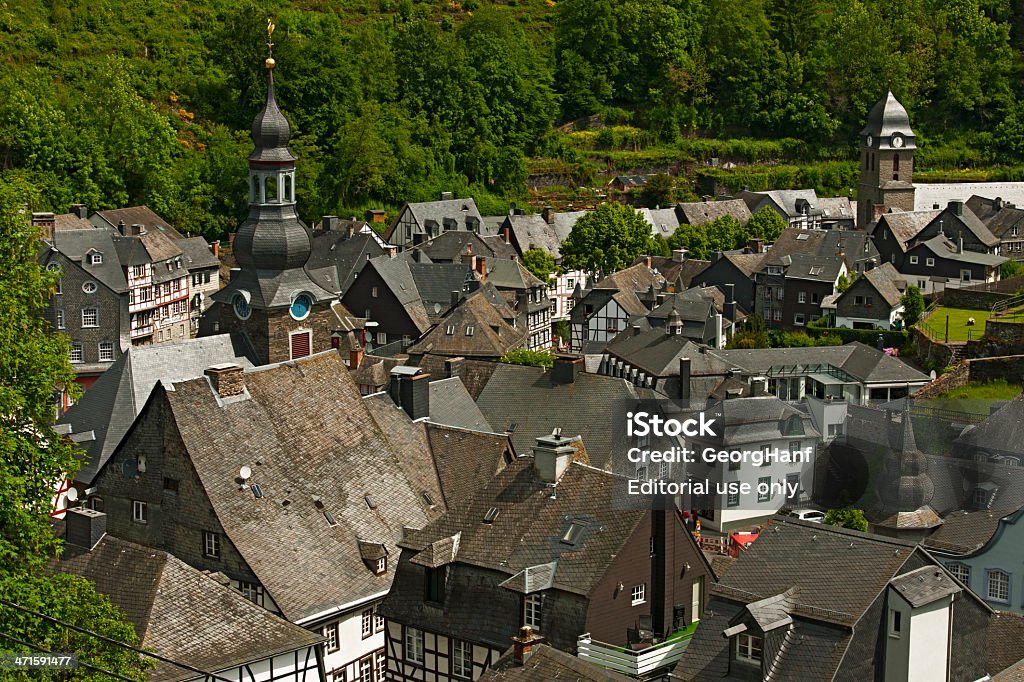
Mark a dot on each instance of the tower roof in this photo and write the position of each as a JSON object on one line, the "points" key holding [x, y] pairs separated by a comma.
{"points": [[270, 129], [887, 118]]}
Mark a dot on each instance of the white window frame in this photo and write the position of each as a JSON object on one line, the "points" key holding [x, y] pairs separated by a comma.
{"points": [[366, 623], [462, 658], [930, 262], [800, 319], [533, 605], [89, 287], [414, 646], [749, 647], [333, 641], [77, 353], [60, 318], [103, 355], [765, 497], [638, 595], [895, 623], [1004, 583], [960, 571], [140, 512], [914, 260], [801, 297], [211, 545], [90, 318]]}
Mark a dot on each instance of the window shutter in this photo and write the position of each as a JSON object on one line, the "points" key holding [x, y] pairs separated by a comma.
{"points": [[300, 342]]}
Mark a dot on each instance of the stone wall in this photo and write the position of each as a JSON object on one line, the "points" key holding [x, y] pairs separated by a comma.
{"points": [[948, 381], [930, 351], [1008, 367]]}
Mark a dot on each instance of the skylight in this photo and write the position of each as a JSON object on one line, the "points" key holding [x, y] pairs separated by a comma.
{"points": [[257, 491], [330, 518], [370, 502], [817, 269], [572, 534], [491, 514], [803, 237]]}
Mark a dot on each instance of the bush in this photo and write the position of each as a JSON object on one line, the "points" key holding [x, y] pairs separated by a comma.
{"points": [[532, 358], [869, 337]]}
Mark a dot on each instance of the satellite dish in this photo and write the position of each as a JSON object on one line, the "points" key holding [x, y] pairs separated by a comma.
{"points": [[142, 464], [72, 494], [245, 473]]}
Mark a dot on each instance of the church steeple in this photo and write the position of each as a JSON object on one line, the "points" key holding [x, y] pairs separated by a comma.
{"points": [[887, 145]]}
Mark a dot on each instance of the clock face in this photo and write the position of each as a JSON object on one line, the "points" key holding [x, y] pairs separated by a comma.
{"points": [[301, 306], [870, 140], [241, 307], [897, 141]]}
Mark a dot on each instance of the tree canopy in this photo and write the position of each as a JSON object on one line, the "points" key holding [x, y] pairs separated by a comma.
{"points": [[607, 239]]}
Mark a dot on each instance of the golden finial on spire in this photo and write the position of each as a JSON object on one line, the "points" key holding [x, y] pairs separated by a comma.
{"points": [[270, 44]]}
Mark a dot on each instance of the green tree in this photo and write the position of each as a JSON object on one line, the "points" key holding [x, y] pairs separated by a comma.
{"points": [[721, 234], [540, 263], [659, 190], [532, 358], [845, 282], [34, 459], [609, 238], [847, 518], [1011, 268], [766, 224], [913, 305], [752, 334]]}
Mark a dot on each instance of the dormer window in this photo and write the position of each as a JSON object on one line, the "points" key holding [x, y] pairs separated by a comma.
{"points": [[381, 566], [774, 269], [435, 583], [95, 258], [749, 648]]}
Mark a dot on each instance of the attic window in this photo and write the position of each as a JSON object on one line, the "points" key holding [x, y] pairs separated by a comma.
{"points": [[95, 258], [427, 498], [331, 521], [469, 330], [450, 330], [774, 269], [572, 534], [817, 270], [491, 515], [257, 491], [381, 566], [370, 502], [803, 237], [748, 648]]}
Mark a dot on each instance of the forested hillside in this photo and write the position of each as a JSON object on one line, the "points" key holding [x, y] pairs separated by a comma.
{"points": [[110, 102]]}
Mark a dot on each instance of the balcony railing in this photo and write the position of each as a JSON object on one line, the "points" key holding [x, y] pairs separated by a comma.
{"points": [[139, 332], [636, 663]]}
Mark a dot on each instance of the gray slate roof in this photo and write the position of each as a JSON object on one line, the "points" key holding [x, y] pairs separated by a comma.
{"points": [[135, 215], [547, 664], [700, 212], [75, 244], [180, 612], [862, 362], [943, 247], [478, 330], [336, 259], [887, 281], [110, 406], [307, 433], [905, 225], [451, 404]]}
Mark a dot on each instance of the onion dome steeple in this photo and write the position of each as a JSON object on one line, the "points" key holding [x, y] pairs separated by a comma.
{"points": [[270, 129]]}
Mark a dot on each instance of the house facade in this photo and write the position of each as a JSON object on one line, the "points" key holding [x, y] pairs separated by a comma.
{"points": [[422, 221], [873, 301]]}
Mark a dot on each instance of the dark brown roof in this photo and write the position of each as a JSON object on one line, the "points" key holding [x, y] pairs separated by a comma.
{"points": [[313, 446], [548, 664], [636, 278], [477, 330], [181, 613], [678, 274], [474, 373], [71, 221], [466, 459], [1005, 646], [139, 215], [747, 263]]}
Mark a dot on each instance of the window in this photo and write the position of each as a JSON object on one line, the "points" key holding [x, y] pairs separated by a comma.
{"points": [[781, 294], [641, 473], [367, 623], [895, 623], [798, 319], [814, 297], [913, 260], [965, 275], [777, 315], [90, 317], [251, 591], [767, 292], [794, 446], [414, 646], [366, 669], [331, 635], [835, 429], [89, 287], [60, 285], [381, 566], [462, 658], [211, 544], [858, 300], [764, 489], [380, 665], [300, 344], [435, 584], [450, 330], [921, 284], [998, 586], [748, 648], [733, 499], [532, 610], [470, 330], [774, 269], [802, 297], [639, 594], [961, 572], [378, 621], [60, 318], [140, 511], [930, 262], [382, 338], [170, 485], [106, 351], [373, 292]]}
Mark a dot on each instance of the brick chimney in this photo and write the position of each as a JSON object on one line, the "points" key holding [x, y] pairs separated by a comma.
{"points": [[566, 369], [226, 379], [522, 647], [375, 215], [84, 527], [355, 357], [756, 245], [551, 456], [481, 268], [548, 214], [47, 223]]}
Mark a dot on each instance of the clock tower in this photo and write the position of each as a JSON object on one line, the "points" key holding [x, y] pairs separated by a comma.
{"points": [[272, 300], [887, 147]]}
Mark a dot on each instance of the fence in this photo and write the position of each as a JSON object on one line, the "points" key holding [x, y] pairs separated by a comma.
{"points": [[635, 663]]}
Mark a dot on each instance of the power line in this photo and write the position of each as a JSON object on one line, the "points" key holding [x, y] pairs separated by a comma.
{"points": [[44, 650], [115, 642]]}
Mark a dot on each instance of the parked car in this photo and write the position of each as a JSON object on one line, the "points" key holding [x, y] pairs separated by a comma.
{"points": [[805, 514]]}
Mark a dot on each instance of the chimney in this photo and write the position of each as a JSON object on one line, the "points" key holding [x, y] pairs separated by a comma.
{"points": [[636, 330], [679, 255], [355, 358], [523, 644], [716, 256], [505, 235], [551, 456], [481, 268], [719, 335], [960, 244], [231, 237], [756, 245], [566, 369], [647, 261], [684, 380], [455, 298], [548, 214], [137, 229], [453, 367], [957, 207], [447, 196], [80, 210], [410, 389], [226, 379], [84, 527], [47, 222], [375, 215], [329, 222], [215, 248]]}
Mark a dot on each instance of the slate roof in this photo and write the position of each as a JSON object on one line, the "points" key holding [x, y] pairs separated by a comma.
{"points": [[965, 533], [925, 585], [952, 225], [937, 195], [655, 352], [547, 664], [636, 278], [465, 459], [448, 246], [813, 268], [785, 199], [677, 274], [747, 263], [836, 208], [437, 211], [530, 523], [474, 373], [663, 221], [71, 221], [700, 212], [137, 215], [397, 275], [943, 247], [182, 613], [197, 254], [888, 282], [75, 244], [1002, 431], [833, 592], [510, 274], [336, 259], [905, 225], [110, 406], [451, 404], [862, 362], [478, 330], [533, 232], [887, 117], [756, 419], [1005, 636], [307, 433], [527, 397], [435, 283]]}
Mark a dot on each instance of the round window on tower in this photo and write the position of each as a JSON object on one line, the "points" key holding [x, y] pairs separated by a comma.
{"points": [[301, 306], [240, 303]]}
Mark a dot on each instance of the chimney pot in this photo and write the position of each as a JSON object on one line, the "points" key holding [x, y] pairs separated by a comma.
{"points": [[551, 456], [524, 644], [80, 210], [227, 379], [355, 358], [548, 214], [684, 380]]}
